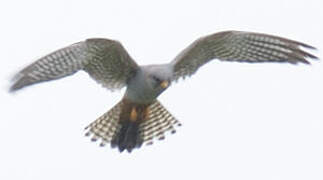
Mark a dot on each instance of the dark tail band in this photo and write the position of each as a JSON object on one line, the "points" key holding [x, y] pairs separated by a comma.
{"points": [[127, 137]]}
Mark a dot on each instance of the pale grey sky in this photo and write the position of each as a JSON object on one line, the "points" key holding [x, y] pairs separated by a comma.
{"points": [[240, 121]]}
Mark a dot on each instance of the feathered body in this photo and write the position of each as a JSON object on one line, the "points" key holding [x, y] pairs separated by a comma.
{"points": [[136, 106]]}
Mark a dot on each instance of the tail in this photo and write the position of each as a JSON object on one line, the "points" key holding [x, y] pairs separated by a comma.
{"points": [[127, 137], [129, 125]]}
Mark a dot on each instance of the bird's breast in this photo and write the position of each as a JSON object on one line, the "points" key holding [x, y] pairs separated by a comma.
{"points": [[141, 95]]}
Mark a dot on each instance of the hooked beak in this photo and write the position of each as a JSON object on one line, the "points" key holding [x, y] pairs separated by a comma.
{"points": [[164, 84]]}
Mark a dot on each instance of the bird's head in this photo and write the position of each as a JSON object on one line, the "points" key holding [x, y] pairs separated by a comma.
{"points": [[158, 77]]}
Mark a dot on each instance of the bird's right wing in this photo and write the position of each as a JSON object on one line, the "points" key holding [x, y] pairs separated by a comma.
{"points": [[105, 60]]}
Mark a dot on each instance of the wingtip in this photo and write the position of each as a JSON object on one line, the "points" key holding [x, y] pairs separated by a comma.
{"points": [[307, 46], [15, 87], [12, 89], [19, 82], [313, 57], [307, 54]]}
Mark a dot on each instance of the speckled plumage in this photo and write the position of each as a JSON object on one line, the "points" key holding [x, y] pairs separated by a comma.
{"points": [[139, 118]]}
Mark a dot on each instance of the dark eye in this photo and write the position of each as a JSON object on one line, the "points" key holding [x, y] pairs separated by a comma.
{"points": [[156, 79]]}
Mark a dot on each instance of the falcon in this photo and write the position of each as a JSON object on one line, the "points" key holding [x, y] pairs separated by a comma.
{"points": [[139, 118]]}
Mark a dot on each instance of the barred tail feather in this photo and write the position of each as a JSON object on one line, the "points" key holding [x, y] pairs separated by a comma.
{"points": [[106, 126], [118, 127], [159, 121]]}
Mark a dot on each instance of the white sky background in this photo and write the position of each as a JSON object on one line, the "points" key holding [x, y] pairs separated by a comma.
{"points": [[240, 121]]}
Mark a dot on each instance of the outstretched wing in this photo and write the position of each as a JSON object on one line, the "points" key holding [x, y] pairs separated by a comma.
{"points": [[105, 60], [239, 46]]}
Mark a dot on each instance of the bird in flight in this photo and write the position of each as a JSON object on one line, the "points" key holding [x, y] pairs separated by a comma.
{"points": [[139, 118]]}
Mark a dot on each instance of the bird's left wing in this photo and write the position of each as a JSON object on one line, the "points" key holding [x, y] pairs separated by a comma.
{"points": [[238, 46], [105, 60]]}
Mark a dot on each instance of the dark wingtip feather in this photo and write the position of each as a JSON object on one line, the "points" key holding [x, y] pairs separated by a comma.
{"points": [[15, 87], [19, 83], [312, 56], [306, 46], [296, 46], [306, 54], [309, 55], [12, 89]]}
